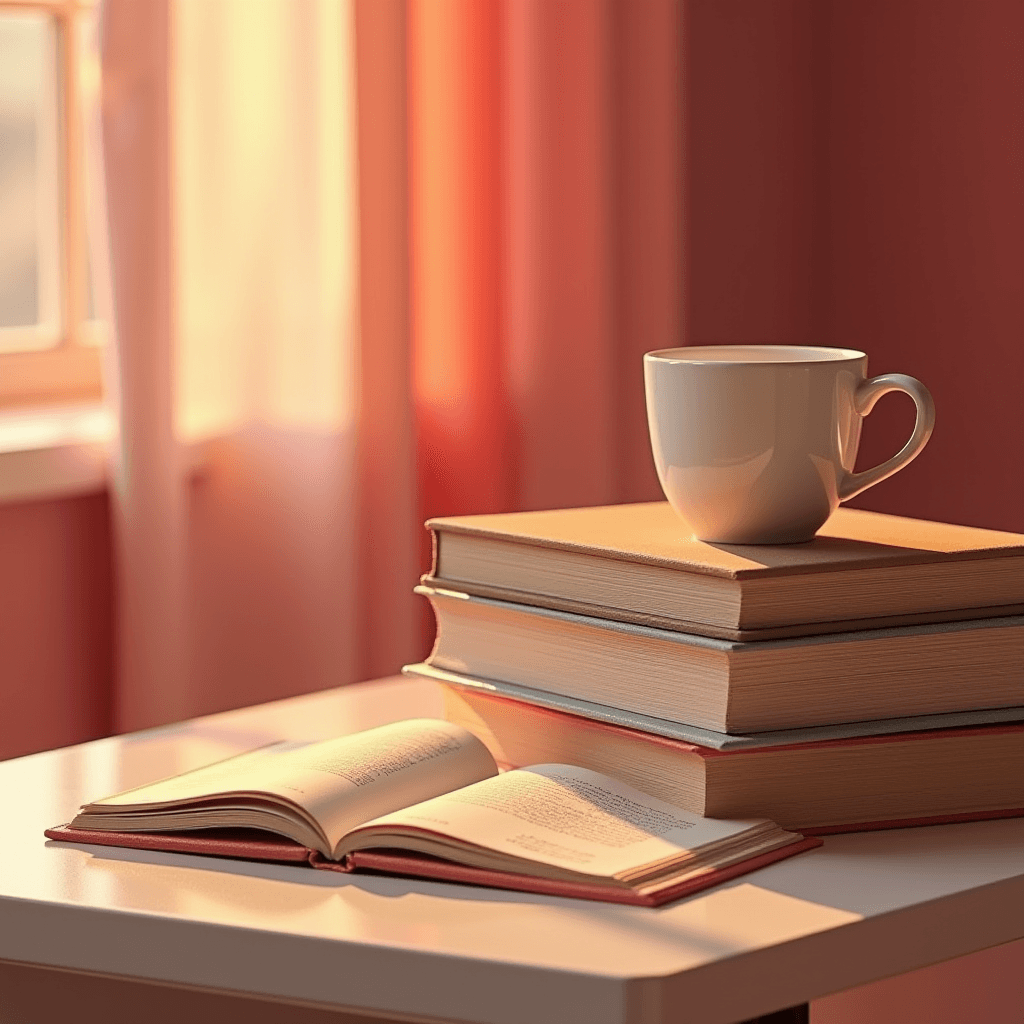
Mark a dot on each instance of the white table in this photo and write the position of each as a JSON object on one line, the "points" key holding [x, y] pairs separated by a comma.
{"points": [[95, 924]]}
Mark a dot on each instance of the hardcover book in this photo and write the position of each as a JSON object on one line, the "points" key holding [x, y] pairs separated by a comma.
{"points": [[424, 798], [733, 686], [709, 737], [839, 785], [635, 563]]}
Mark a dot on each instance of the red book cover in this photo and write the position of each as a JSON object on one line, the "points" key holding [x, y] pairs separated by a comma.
{"points": [[245, 844], [600, 731], [581, 722]]}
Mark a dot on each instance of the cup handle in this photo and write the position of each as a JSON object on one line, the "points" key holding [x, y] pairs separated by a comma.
{"points": [[869, 392]]}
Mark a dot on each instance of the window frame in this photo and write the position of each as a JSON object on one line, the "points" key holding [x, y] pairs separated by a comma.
{"points": [[70, 370]]}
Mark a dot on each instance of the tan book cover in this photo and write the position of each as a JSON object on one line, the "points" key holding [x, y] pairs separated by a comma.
{"points": [[636, 563]]}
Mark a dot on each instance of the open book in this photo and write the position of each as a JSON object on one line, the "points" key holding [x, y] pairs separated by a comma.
{"points": [[425, 798]]}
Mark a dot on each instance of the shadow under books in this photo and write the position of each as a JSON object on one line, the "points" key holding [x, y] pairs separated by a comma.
{"points": [[642, 922]]}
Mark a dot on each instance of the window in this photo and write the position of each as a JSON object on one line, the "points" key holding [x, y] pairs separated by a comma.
{"points": [[50, 340]]}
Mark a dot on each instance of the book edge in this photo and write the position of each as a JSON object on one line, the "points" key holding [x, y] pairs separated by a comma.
{"points": [[906, 556], [1006, 720], [729, 646], [449, 871], [795, 631], [964, 817]]}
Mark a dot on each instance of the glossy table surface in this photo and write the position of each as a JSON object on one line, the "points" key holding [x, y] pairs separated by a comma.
{"points": [[862, 907]]}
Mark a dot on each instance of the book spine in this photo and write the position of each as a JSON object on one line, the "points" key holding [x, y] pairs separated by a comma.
{"points": [[435, 551]]}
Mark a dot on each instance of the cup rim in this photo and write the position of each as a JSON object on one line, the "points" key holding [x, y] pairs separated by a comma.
{"points": [[709, 355]]}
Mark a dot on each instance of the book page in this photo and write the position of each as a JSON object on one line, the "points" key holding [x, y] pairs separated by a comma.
{"points": [[227, 775], [337, 783], [564, 816]]}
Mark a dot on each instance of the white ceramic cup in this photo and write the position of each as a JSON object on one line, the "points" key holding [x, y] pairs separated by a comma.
{"points": [[755, 444]]}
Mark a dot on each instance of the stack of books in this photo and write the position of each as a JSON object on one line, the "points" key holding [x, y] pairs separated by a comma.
{"points": [[873, 677]]}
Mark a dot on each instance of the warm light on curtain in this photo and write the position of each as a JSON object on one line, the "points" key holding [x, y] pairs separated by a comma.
{"points": [[264, 208], [457, 254], [546, 240]]}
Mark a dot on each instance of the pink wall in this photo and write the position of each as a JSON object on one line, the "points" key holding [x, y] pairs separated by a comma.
{"points": [[55, 623], [925, 238], [854, 177]]}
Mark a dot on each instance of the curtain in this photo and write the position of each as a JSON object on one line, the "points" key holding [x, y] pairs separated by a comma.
{"points": [[546, 240], [372, 261], [229, 138]]}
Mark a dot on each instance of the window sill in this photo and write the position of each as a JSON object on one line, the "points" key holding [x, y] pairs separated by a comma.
{"points": [[64, 451], [55, 452]]}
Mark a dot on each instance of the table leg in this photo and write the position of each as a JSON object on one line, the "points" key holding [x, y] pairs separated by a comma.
{"points": [[792, 1015]]}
